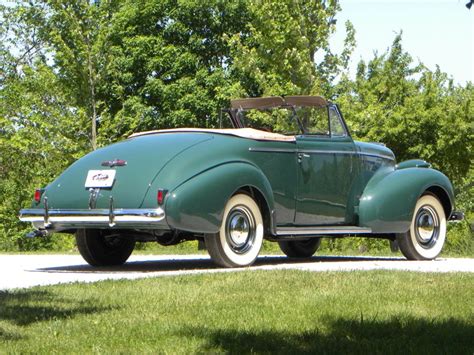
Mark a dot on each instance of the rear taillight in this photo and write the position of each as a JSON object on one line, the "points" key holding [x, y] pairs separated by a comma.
{"points": [[38, 193], [160, 196]]}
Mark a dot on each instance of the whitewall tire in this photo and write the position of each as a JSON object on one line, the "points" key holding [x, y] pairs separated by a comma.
{"points": [[240, 237], [427, 232]]}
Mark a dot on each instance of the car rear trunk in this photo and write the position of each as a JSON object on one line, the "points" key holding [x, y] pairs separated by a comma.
{"points": [[144, 156]]}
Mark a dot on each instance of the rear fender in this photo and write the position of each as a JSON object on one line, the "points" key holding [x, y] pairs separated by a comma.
{"points": [[198, 204], [388, 201]]}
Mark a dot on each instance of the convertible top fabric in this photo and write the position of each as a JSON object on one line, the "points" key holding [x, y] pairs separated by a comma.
{"points": [[249, 133]]}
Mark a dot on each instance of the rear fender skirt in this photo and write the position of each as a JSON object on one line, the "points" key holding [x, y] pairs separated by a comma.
{"points": [[388, 201], [198, 204]]}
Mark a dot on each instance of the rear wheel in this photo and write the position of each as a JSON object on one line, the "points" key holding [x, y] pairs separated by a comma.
{"points": [[300, 248], [103, 248], [425, 238], [240, 237]]}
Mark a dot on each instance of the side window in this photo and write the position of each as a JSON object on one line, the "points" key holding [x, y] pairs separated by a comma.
{"points": [[337, 129], [276, 120], [314, 120]]}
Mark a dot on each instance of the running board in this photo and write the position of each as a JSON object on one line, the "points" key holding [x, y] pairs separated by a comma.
{"points": [[321, 230]]}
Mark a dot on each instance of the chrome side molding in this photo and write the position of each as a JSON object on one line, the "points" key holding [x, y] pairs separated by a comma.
{"points": [[281, 231]]}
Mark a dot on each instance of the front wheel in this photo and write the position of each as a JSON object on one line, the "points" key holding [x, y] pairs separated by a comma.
{"points": [[425, 238], [102, 248], [240, 237], [300, 248]]}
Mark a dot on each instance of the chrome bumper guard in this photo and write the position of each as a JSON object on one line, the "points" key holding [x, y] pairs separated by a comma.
{"points": [[119, 217], [456, 216]]}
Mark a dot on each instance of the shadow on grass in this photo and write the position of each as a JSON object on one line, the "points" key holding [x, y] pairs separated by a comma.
{"points": [[200, 264], [6, 335], [405, 335], [22, 308]]}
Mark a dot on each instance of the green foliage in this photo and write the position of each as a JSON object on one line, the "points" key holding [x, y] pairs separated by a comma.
{"points": [[415, 112], [41, 135], [460, 239], [169, 64], [75, 33], [276, 55]]}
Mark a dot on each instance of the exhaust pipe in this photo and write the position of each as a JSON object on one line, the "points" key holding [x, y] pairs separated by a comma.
{"points": [[37, 233]]}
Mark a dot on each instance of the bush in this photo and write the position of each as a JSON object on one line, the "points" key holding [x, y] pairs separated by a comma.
{"points": [[460, 240]]}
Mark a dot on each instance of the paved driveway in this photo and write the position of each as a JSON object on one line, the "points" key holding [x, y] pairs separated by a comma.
{"points": [[18, 271]]}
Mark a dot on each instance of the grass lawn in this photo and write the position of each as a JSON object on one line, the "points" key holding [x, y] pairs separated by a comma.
{"points": [[248, 311]]}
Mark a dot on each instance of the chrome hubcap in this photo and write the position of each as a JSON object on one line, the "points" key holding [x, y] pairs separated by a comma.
{"points": [[427, 226], [240, 229]]}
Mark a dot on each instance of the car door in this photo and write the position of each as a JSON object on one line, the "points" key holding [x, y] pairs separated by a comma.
{"points": [[326, 169]]}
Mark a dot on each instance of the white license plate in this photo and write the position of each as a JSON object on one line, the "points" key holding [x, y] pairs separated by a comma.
{"points": [[100, 178]]}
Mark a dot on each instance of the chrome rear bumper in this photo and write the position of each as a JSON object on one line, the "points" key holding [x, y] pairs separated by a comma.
{"points": [[55, 219]]}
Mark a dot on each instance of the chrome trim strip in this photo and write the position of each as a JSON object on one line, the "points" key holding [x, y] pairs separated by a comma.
{"points": [[350, 152], [111, 212], [47, 222], [376, 155], [97, 216], [272, 150], [322, 230], [316, 151]]}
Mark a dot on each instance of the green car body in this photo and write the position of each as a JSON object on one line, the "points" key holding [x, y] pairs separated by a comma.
{"points": [[308, 185]]}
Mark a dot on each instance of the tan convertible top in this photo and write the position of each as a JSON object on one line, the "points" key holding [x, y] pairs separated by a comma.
{"points": [[249, 133]]}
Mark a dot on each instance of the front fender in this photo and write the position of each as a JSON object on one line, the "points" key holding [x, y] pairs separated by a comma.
{"points": [[198, 204], [388, 201]]}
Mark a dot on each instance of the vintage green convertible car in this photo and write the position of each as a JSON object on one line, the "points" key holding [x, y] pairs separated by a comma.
{"points": [[287, 170]]}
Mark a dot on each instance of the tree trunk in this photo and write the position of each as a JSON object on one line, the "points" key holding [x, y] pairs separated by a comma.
{"points": [[93, 103]]}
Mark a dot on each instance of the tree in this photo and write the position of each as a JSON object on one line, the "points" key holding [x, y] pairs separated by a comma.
{"points": [[418, 113], [71, 36], [278, 53], [42, 131], [176, 62], [41, 135], [169, 66]]}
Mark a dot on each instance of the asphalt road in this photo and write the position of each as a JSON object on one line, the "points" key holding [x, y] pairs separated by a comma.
{"points": [[20, 271]]}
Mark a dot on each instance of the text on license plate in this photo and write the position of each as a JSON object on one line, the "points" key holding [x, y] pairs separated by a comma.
{"points": [[100, 178]]}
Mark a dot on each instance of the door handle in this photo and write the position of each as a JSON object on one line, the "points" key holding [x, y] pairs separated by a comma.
{"points": [[301, 156]]}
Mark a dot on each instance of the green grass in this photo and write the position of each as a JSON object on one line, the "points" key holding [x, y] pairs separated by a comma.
{"points": [[243, 312]]}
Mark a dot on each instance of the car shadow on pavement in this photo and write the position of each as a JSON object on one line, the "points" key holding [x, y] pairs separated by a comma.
{"points": [[186, 264]]}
